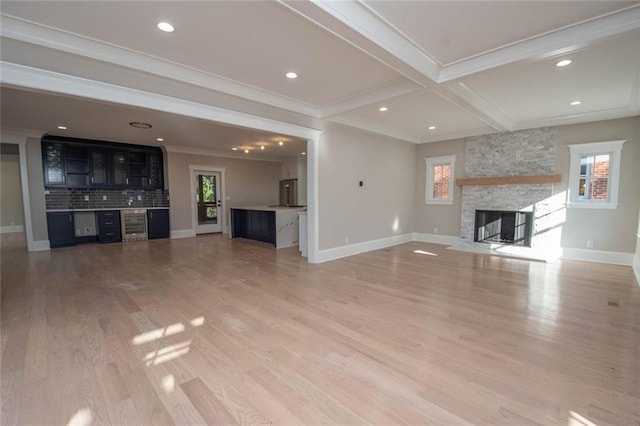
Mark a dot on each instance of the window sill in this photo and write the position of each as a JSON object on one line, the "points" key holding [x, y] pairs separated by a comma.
{"points": [[603, 206], [439, 202]]}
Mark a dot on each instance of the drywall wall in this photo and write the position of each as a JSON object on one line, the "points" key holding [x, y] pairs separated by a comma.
{"points": [[11, 211], [247, 182], [636, 258], [610, 230], [438, 219], [383, 206], [36, 190]]}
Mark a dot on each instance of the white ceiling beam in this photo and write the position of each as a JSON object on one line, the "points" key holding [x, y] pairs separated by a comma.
{"points": [[552, 44]]}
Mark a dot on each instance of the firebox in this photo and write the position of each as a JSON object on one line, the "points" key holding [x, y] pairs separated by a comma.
{"points": [[503, 227]]}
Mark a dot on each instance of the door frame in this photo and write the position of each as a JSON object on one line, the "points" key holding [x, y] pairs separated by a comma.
{"points": [[223, 201]]}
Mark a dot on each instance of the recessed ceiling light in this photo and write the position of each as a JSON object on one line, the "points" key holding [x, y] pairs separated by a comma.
{"points": [[62, 127], [292, 75], [563, 63], [246, 151], [262, 147], [234, 149], [166, 27], [140, 125], [303, 153], [383, 109], [280, 143], [432, 127], [160, 139], [574, 103]]}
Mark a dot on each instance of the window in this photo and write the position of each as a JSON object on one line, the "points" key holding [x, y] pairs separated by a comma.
{"points": [[440, 175], [594, 172]]}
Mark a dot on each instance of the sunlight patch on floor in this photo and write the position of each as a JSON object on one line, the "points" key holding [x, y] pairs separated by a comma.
{"points": [[424, 252], [576, 419], [157, 333], [167, 353], [82, 417]]}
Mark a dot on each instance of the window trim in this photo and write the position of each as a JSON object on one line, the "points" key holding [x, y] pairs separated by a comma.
{"points": [[430, 162], [577, 151]]}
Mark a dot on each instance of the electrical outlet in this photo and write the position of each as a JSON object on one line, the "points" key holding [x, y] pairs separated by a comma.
{"points": [[346, 240], [86, 198], [589, 243], [79, 231], [104, 198], [87, 229], [435, 229]]}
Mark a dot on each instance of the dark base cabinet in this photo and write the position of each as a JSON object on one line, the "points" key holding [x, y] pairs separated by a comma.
{"points": [[109, 226], [61, 229], [158, 223], [254, 224]]}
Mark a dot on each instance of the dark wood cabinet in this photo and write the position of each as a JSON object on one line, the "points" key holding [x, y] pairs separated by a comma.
{"points": [[158, 223], [61, 229], [98, 167], [53, 160], [109, 226], [254, 224], [80, 163]]}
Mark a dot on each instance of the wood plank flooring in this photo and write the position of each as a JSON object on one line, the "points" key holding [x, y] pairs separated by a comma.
{"points": [[212, 331]]}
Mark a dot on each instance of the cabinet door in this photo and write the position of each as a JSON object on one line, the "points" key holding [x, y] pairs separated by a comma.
{"points": [[53, 161], [158, 221], [98, 160], [120, 168], [155, 180], [61, 229]]}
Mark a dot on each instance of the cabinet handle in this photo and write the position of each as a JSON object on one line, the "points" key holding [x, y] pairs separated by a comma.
{"points": [[69, 218], [91, 179], [126, 181], [149, 181]]}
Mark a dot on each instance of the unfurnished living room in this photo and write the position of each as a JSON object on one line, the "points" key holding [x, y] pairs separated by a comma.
{"points": [[320, 212]]}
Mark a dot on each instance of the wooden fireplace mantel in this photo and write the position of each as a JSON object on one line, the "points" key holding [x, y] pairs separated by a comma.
{"points": [[509, 180]]}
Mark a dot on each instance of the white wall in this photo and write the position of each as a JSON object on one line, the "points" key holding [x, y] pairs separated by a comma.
{"points": [[247, 182], [383, 206], [636, 258]]}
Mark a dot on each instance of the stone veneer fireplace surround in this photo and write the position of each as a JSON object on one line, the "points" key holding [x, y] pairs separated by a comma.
{"points": [[523, 153]]}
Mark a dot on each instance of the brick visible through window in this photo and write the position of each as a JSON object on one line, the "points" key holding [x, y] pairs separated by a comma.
{"points": [[594, 177], [441, 179]]}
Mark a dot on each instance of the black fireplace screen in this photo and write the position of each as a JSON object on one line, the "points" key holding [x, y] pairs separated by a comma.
{"points": [[503, 227]]}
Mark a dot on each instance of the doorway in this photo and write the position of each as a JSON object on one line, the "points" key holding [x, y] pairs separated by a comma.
{"points": [[207, 201]]}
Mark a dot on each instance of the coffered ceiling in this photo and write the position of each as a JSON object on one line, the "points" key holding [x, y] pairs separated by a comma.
{"points": [[465, 68]]}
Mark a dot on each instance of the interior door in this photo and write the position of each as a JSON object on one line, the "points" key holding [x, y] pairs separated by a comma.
{"points": [[208, 202]]}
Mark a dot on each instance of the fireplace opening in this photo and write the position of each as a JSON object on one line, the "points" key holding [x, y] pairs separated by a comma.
{"points": [[504, 227]]}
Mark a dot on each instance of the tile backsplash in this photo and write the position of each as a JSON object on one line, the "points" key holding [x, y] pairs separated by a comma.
{"points": [[96, 199]]}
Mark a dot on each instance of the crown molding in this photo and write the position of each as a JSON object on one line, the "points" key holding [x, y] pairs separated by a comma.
{"points": [[468, 99], [17, 136], [610, 114], [563, 41], [33, 78], [457, 135], [52, 38], [388, 91]]}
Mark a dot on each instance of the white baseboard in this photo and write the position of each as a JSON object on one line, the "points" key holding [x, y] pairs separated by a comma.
{"points": [[636, 268], [447, 240], [41, 245], [10, 229], [357, 248], [600, 256], [183, 233]]}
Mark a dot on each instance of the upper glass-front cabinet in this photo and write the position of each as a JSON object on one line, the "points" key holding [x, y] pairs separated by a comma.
{"points": [[79, 163]]}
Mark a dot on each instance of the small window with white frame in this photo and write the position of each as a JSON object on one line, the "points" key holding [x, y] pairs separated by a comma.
{"points": [[440, 179], [594, 174]]}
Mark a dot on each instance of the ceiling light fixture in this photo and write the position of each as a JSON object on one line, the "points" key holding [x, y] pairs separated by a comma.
{"points": [[166, 27], [234, 149], [563, 63], [291, 75], [574, 103], [246, 151], [303, 153], [432, 127], [140, 125], [62, 127], [262, 147], [160, 139], [280, 143], [383, 109]]}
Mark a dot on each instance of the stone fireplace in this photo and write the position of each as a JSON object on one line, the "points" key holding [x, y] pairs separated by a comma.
{"points": [[523, 153]]}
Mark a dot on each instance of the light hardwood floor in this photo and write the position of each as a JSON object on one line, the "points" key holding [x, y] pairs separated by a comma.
{"points": [[208, 330]]}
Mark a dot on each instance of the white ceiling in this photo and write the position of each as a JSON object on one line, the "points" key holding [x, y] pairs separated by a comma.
{"points": [[466, 67]]}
